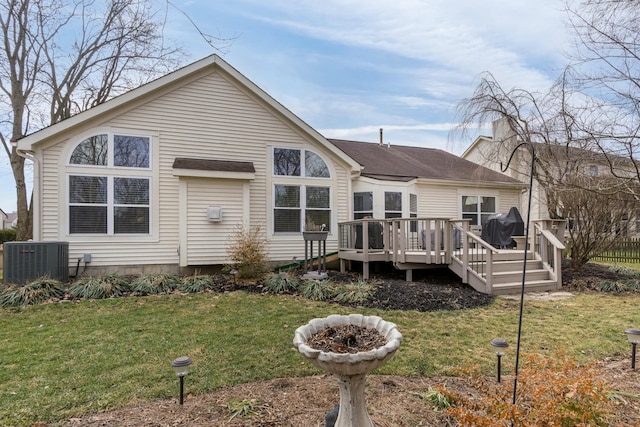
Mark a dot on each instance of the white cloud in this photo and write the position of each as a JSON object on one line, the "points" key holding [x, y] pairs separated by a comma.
{"points": [[349, 67], [466, 36]]}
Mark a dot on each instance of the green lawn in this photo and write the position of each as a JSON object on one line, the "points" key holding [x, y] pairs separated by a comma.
{"points": [[64, 359]]}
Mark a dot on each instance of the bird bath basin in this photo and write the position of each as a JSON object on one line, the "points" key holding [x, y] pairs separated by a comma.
{"points": [[351, 369]]}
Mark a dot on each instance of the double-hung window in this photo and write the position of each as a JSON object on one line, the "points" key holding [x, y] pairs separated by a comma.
{"points": [[302, 203], [478, 208], [362, 205], [413, 211], [109, 185], [392, 204]]}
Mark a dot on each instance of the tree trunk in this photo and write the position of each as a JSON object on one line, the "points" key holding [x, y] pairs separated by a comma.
{"points": [[24, 228]]}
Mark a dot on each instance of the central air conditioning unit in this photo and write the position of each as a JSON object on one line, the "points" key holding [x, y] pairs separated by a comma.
{"points": [[25, 261]]}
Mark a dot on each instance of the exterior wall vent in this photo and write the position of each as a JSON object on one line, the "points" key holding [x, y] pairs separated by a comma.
{"points": [[25, 261], [214, 213]]}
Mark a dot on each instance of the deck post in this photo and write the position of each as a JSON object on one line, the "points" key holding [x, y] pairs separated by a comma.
{"points": [[343, 266], [409, 275], [465, 252], [365, 270], [557, 267], [489, 275]]}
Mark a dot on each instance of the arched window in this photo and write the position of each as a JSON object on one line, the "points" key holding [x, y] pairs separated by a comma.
{"points": [[112, 150], [303, 163], [91, 151], [299, 205], [109, 199]]}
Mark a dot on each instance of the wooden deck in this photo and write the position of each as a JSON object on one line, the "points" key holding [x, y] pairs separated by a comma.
{"points": [[419, 243]]}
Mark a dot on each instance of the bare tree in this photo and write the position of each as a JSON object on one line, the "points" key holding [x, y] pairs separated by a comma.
{"points": [[564, 154], [597, 220], [591, 115], [61, 57], [605, 68]]}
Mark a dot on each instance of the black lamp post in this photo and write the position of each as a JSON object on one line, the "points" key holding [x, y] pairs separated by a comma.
{"points": [[499, 346], [181, 367], [633, 335]]}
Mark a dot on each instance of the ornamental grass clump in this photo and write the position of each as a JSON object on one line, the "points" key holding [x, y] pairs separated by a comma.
{"points": [[153, 284], [624, 270], [317, 290], [108, 286], [439, 397], [244, 408], [196, 283], [625, 285], [34, 292], [281, 283], [552, 391], [355, 292]]}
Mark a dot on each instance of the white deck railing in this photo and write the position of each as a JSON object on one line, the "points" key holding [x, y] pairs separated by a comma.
{"points": [[409, 242]]}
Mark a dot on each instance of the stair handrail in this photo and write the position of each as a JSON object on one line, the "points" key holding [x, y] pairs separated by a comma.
{"points": [[469, 252], [548, 248]]}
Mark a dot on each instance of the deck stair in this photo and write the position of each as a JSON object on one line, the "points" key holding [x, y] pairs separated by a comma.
{"points": [[485, 268], [507, 271]]}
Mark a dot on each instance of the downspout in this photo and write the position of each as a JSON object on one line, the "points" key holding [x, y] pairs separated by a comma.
{"points": [[28, 155]]}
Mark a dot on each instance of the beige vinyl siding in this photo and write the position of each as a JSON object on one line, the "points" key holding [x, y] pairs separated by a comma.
{"points": [[206, 240], [438, 201], [52, 195], [435, 200], [211, 117], [508, 199], [444, 201]]}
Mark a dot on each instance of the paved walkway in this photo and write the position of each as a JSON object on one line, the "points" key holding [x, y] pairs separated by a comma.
{"points": [[540, 296]]}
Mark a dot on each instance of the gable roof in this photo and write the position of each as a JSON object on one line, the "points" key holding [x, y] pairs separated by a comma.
{"points": [[158, 86], [405, 163], [563, 152]]}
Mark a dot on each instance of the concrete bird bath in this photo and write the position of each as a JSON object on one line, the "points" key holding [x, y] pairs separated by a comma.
{"points": [[351, 369]]}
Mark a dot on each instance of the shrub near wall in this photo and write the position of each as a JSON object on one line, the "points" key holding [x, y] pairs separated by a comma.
{"points": [[7, 235]]}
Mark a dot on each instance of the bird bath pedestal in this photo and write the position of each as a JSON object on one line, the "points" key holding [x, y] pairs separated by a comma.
{"points": [[351, 369]]}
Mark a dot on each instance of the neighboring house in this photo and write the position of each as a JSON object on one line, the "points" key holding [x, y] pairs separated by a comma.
{"points": [[8, 220], [494, 151], [11, 221], [3, 220], [159, 178]]}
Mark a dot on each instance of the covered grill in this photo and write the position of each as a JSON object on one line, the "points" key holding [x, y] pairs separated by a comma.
{"points": [[500, 227]]}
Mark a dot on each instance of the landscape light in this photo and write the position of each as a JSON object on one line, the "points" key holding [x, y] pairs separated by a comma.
{"points": [[234, 273], [181, 367], [633, 335], [499, 346]]}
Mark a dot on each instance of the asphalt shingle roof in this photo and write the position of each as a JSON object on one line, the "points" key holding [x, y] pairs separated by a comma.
{"points": [[404, 163]]}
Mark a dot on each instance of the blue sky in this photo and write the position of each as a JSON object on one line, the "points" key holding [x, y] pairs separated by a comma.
{"points": [[351, 67]]}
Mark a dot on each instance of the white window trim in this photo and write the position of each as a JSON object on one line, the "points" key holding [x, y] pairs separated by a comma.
{"points": [[366, 211], [302, 164], [92, 170], [302, 207], [110, 150], [393, 211], [478, 212], [110, 205]]}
